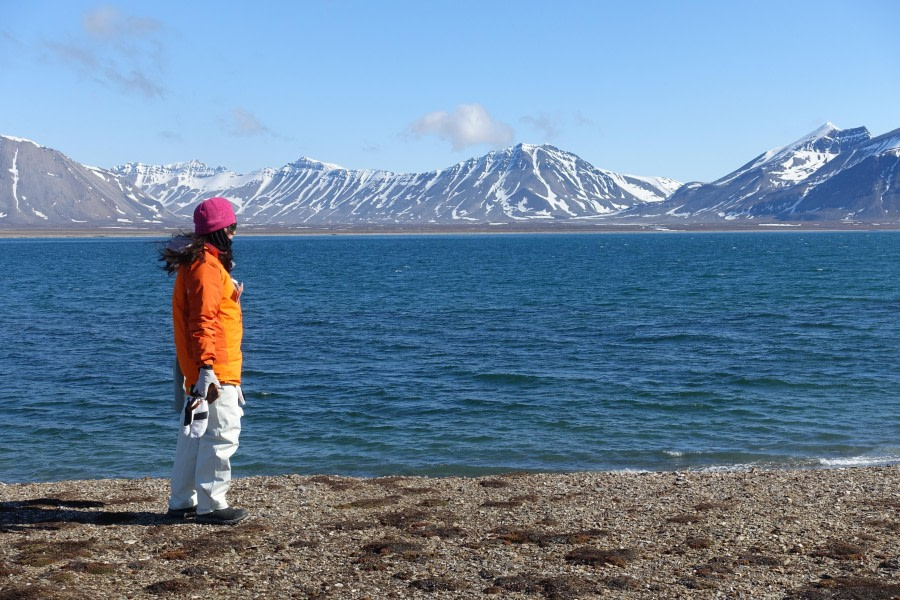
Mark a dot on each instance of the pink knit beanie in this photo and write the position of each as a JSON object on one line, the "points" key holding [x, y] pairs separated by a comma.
{"points": [[213, 214]]}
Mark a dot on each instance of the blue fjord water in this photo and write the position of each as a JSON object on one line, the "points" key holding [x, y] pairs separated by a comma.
{"points": [[469, 354]]}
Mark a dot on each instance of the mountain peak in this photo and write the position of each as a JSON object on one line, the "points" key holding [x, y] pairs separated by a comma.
{"points": [[195, 165], [825, 129], [520, 148], [533, 147], [304, 162], [814, 149], [832, 134]]}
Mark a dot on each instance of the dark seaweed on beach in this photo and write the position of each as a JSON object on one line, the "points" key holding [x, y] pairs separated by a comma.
{"points": [[698, 543], [892, 526], [525, 584], [172, 586], [707, 506], [588, 555], [697, 583], [402, 519], [236, 539], [890, 503], [390, 546], [683, 519], [543, 539], [335, 483], [91, 567], [553, 588], [351, 525], [370, 502], [755, 557], [621, 582], [840, 550], [39, 553], [7, 570], [34, 592], [435, 584], [434, 502], [502, 504], [436, 530], [847, 588], [493, 483]]}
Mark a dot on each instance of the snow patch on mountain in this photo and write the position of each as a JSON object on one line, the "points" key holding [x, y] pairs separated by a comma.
{"points": [[15, 178], [648, 189]]}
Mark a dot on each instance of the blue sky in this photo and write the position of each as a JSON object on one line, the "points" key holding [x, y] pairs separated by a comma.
{"points": [[687, 90]]}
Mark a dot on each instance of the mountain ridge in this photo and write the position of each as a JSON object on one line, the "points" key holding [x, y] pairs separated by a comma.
{"points": [[829, 175], [43, 188], [797, 182], [521, 182]]}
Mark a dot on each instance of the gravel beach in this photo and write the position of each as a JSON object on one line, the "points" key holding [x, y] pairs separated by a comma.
{"points": [[825, 533]]}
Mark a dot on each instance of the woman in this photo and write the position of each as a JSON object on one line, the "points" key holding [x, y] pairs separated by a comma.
{"points": [[206, 314]]}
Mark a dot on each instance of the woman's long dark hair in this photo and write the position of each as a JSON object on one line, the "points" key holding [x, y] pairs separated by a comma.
{"points": [[185, 248]]}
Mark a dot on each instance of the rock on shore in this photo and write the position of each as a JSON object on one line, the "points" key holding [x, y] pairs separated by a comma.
{"points": [[817, 534]]}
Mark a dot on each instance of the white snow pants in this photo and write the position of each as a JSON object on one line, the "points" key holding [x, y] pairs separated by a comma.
{"points": [[202, 472]]}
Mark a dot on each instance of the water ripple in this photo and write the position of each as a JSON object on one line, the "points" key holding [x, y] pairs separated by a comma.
{"points": [[470, 354]]}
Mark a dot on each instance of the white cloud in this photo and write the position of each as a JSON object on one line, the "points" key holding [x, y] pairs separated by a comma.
{"points": [[7, 38], [547, 125], [118, 50], [108, 22], [245, 124], [467, 125], [583, 120]]}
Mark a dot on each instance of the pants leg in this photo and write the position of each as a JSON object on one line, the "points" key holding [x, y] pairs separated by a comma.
{"points": [[218, 444], [202, 472], [183, 487]]}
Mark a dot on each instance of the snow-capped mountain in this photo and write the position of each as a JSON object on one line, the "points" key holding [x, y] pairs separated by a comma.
{"points": [[521, 183], [829, 175], [41, 188], [862, 183]]}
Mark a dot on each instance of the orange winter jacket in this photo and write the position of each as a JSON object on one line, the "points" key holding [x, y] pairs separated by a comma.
{"points": [[207, 319]]}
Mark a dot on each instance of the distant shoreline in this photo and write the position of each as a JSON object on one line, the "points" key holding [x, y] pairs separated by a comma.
{"points": [[507, 228]]}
